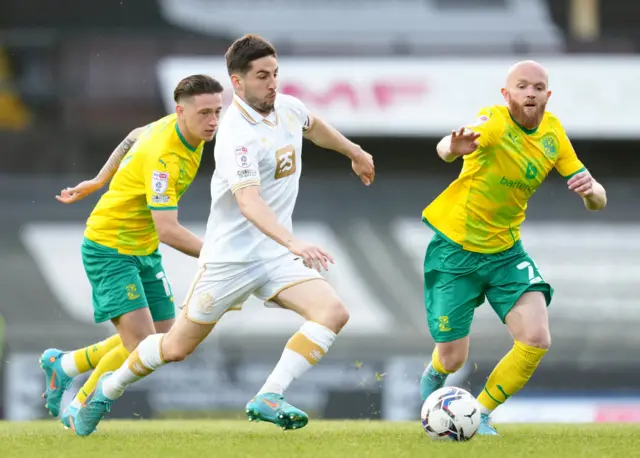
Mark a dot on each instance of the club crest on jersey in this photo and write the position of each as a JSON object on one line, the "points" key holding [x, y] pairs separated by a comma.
{"points": [[242, 157], [549, 146], [159, 182]]}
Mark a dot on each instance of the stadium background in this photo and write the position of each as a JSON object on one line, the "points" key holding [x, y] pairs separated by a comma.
{"points": [[395, 75]]}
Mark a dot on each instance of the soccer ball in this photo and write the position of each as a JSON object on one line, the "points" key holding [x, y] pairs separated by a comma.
{"points": [[450, 413]]}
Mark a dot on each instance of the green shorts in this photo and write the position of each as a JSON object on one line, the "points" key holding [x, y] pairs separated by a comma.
{"points": [[123, 283], [457, 281]]}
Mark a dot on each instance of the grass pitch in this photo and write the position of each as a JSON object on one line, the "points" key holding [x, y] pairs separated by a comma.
{"points": [[321, 439]]}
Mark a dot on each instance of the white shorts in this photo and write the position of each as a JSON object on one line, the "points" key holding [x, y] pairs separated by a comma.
{"points": [[219, 288]]}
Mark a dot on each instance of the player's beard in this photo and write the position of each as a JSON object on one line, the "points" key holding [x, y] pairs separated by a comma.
{"points": [[261, 106], [527, 120]]}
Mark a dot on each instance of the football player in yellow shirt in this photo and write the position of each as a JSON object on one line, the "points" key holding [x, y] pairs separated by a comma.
{"points": [[476, 252], [155, 166]]}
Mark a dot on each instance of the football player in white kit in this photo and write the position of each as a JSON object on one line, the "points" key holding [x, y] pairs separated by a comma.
{"points": [[249, 247]]}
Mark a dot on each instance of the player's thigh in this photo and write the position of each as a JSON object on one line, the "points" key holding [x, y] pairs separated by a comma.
{"points": [[157, 288], [213, 292], [510, 278], [450, 302], [293, 286], [115, 280]]}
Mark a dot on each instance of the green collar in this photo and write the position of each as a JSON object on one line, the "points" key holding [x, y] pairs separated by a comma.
{"points": [[184, 142]]}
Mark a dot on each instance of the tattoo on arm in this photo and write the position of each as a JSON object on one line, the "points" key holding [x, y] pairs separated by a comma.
{"points": [[114, 160]]}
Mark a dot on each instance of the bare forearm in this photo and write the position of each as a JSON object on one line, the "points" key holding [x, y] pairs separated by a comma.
{"points": [[598, 198], [112, 164], [263, 217], [181, 239], [326, 136], [444, 150]]}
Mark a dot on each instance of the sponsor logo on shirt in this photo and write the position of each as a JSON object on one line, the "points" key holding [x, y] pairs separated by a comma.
{"points": [[516, 184], [159, 199], [244, 174]]}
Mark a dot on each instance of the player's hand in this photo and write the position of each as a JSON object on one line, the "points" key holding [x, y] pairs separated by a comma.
{"points": [[464, 141], [581, 183], [314, 257], [362, 165], [79, 192]]}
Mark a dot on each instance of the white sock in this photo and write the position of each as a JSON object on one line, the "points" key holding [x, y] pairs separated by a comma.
{"points": [[68, 362], [143, 361], [483, 409], [303, 351], [75, 403]]}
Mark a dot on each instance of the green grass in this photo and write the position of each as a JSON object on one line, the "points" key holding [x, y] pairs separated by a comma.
{"points": [[322, 439]]}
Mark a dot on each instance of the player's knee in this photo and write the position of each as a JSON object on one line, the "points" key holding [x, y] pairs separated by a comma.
{"points": [[341, 315], [452, 357], [452, 362], [134, 327], [132, 341], [175, 352], [333, 315], [537, 337]]}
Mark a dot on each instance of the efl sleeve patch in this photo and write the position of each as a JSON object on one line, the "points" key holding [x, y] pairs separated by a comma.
{"points": [[480, 120], [242, 168], [242, 157], [159, 182]]}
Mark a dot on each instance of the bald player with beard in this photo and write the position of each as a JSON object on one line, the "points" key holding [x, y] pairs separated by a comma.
{"points": [[476, 252]]}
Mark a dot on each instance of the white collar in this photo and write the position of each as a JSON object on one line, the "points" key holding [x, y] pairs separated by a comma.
{"points": [[252, 115]]}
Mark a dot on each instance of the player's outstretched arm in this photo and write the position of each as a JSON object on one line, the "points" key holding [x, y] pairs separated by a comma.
{"points": [[326, 136], [83, 189], [459, 143], [255, 209], [172, 233]]}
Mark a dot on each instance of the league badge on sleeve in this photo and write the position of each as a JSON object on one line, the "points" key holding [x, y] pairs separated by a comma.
{"points": [[480, 120], [242, 157], [159, 182]]}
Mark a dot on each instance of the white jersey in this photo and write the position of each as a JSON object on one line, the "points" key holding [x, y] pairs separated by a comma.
{"points": [[254, 150]]}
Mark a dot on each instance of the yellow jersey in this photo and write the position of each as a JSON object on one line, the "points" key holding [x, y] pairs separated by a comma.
{"points": [[153, 175], [482, 210]]}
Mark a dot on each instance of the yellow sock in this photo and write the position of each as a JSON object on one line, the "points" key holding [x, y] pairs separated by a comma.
{"points": [[436, 364], [510, 375], [110, 362], [88, 358]]}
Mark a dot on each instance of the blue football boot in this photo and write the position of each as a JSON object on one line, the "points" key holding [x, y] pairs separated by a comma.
{"points": [[89, 415], [272, 407], [431, 381], [68, 417], [57, 381], [485, 428]]}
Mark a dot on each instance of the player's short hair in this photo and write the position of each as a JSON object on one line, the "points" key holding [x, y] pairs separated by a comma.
{"points": [[196, 85], [245, 50]]}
